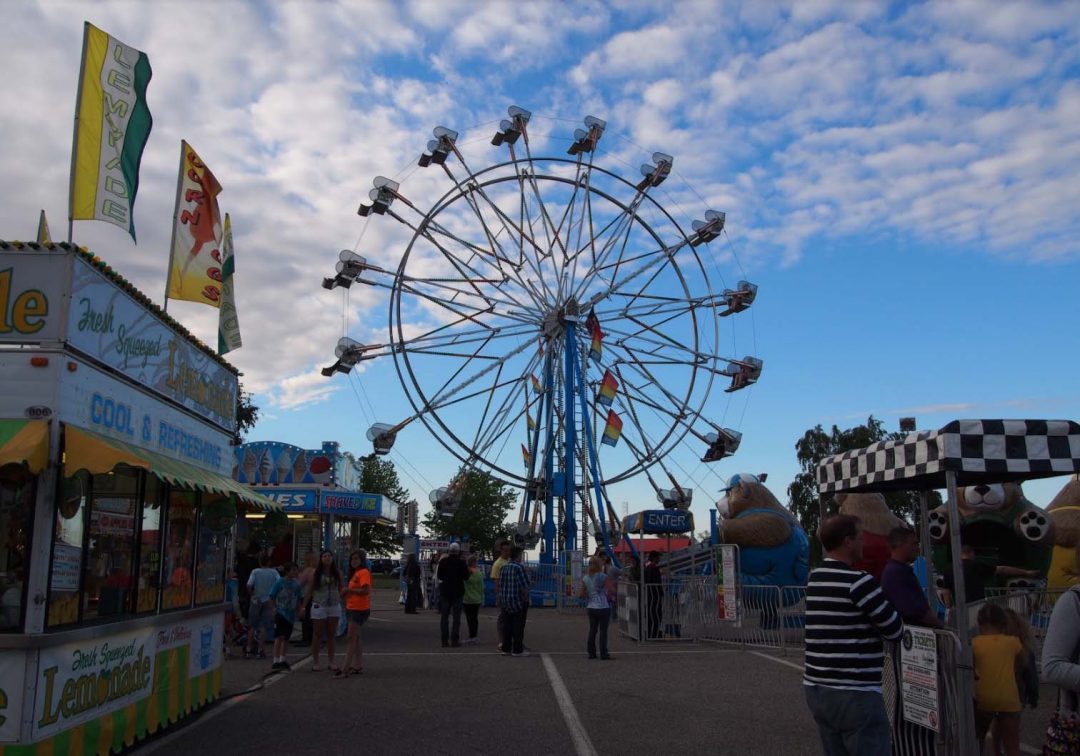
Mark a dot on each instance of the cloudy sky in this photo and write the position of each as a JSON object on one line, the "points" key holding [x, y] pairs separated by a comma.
{"points": [[900, 179]]}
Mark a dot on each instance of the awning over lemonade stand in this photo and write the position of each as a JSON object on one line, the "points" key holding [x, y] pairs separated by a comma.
{"points": [[97, 454], [25, 442]]}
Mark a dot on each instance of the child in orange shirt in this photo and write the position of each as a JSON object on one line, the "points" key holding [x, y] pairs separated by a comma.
{"points": [[357, 609], [997, 697]]}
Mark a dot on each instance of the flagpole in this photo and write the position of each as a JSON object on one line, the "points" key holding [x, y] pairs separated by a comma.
{"points": [[75, 133], [176, 208]]}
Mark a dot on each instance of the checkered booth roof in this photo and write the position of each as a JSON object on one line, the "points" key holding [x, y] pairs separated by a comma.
{"points": [[978, 451]]}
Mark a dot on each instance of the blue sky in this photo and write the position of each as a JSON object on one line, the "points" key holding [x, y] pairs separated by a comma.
{"points": [[899, 179]]}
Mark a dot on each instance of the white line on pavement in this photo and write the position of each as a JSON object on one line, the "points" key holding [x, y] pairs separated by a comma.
{"points": [[582, 745], [785, 662]]}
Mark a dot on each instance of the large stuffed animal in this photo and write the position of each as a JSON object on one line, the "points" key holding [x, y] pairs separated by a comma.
{"points": [[1001, 525], [773, 549], [877, 522], [1064, 510]]}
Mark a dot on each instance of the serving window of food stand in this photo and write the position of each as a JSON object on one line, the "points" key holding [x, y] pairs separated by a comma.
{"points": [[111, 527]]}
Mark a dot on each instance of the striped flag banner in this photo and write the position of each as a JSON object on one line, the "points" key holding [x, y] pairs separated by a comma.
{"points": [[228, 323], [612, 430], [536, 384], [608, 387], [525, 454], [195, 266], [529, 418], [593, 325], [112, 124]]}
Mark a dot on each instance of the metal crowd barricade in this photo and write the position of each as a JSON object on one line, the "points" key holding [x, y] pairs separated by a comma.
{"points": [[1034, 604], [759, 623], [547, 584], [914, 740]]}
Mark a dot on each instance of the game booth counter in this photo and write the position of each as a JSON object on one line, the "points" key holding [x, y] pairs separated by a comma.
{"points": [[319, 492], [963, 453], [116, 506]]}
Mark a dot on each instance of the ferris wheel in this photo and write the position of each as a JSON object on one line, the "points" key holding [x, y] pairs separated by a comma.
{"points": [[554, 324]]}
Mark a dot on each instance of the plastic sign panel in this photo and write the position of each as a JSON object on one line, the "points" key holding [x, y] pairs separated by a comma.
{"points": [[81, 681], [295, 501], [727, 589], [263, 463], [918, 677], [659, 521], [12, 669], [92, 399], [348, 504], [107, 324], [30, 296]]}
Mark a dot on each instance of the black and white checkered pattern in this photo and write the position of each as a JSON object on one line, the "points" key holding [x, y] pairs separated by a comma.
{"points": [[978, 451]]}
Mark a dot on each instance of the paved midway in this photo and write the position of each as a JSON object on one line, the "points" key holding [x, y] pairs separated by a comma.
{"points": [[416, 697]]}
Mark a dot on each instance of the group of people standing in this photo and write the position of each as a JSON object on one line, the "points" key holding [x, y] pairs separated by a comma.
{"points": [[849, 615], [319, 595]]}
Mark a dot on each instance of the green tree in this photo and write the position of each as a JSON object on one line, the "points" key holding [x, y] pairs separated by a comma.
{"points": [[816, 445], [481, 517], [247, 414], [380, 476]]}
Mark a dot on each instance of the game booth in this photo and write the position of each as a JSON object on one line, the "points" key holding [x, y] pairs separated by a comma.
{"points": [[116, 507], [322, 504], [928, 680]]}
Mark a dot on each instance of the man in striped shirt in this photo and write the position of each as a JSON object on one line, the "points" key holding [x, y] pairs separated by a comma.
{"points": [[846, 618]]}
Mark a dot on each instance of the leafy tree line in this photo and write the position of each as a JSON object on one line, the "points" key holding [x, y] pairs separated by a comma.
{"points": [[817, 444]]}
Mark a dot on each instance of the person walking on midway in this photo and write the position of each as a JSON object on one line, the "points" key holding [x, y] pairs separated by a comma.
{"points": [[450, 577], [514, 599], [654, 595], [285, 598], [502, 550], [413, 575], [596, 604], [357, 610], [847, 616], [261, 610], [307, 574], [324, 593], [1061, 668], [474, 597]]}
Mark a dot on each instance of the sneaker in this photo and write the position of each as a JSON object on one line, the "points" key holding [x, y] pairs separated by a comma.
{"points": [[522, 653], [607, 658], [261, 654], [445, 644], [286, 666]]}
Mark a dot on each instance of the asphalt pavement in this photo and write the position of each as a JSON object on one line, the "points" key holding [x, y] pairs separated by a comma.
{"points": [[416, 697]]}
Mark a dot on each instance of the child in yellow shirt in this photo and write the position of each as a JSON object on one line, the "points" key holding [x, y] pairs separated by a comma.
{"points": [[997, 697]]}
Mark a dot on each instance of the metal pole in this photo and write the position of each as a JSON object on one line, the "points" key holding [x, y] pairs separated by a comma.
{"points": [[570, 438], [965, 666], [924, 545]]}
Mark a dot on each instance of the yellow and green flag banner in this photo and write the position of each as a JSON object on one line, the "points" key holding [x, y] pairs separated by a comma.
{"points": [[195, 265], [112, 124], [228, 323], [43, 235]]}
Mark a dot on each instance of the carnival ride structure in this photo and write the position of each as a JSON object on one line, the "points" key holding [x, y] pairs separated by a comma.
{"points": [[550, 303]]}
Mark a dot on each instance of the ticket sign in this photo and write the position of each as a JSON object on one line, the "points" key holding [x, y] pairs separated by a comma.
{"points": [[727, 597], [918, 677]]}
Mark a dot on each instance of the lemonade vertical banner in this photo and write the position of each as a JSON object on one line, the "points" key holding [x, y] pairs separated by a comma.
{"points": [[112, 124], [228, 322], [195, 263]]}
